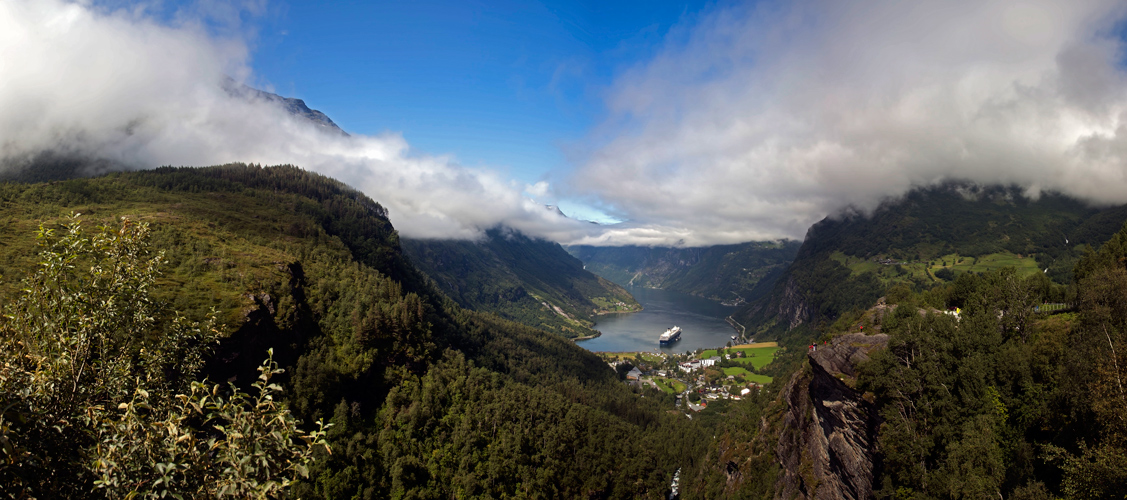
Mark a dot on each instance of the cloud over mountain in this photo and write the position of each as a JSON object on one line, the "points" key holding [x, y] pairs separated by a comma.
{"points": [[86, 81], [758, 120], [751, 122]]}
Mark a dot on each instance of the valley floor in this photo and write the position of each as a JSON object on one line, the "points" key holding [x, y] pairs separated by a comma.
{"points": [[707, 375]]}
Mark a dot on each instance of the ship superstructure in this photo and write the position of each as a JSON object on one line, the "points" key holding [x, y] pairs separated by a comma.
{"points": [[670, 336]]}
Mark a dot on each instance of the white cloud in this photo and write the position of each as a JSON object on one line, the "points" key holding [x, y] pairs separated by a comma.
{"points": [[540, 189], [760, 120], [116, 85], [751, 124]]}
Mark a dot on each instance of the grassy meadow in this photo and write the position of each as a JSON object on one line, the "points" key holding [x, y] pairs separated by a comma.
{"points": [[925, 270], [757, 357]]}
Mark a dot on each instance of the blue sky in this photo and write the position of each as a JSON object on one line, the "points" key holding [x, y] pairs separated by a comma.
{"points": [[691, 123], [505, 84]]}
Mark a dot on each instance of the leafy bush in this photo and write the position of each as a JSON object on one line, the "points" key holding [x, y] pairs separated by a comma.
{"points": [[97, 392]]}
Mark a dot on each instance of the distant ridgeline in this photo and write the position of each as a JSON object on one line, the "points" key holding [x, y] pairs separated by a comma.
{"points": [[51, 165], [427, 399], [929, 237], [527, 280], [730, 273]]}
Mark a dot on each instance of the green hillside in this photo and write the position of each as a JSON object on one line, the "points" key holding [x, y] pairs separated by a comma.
{"points": [[729, 273], [971, 221], [425, 398], [998, 401], [929, 237], [530, 281]]}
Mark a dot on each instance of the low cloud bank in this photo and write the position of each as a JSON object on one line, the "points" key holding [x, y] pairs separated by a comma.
{"points": [[751, 123], [759, 120], [81, 81]]}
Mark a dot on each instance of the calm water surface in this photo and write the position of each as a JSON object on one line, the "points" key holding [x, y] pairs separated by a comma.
{"points": [[701, 321]]}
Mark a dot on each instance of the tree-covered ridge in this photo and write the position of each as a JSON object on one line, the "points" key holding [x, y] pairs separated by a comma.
{"points": [[730, 273], [1003, 401], [906, 241], [969, 221], [413, 384], [531, 281]]}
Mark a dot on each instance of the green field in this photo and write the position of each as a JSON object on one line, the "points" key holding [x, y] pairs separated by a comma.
{"points": [[742, 374], [648, 357], [924, 270], [1024, 265], [757, 357], [736, 371], [757, 378], [669, 385], [677, 385]]}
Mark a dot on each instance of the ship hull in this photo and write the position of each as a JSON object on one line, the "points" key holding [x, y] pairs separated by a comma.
{"points": [[672, 338]]}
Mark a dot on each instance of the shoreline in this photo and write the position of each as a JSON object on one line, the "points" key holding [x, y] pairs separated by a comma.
{"points": [[587, 337], [742, 330], [601, 313], [679, 305], [753, 345]]}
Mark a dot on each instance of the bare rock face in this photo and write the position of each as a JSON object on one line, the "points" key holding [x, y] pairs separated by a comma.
{"points": [[268, 323], [793, 307], [829, 431]]}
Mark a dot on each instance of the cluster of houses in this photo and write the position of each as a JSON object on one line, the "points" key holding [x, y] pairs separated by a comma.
{"points": [[697, 364], [723, 393], [711, 394], [707, 393]]}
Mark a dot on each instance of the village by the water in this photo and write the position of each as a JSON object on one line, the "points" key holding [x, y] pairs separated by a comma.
{"points": [[697, 378]]}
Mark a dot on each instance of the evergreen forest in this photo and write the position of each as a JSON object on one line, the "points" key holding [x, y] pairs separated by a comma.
{"points": [[245, 331]]}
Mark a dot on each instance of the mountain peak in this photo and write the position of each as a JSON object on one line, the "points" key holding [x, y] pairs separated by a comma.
{"points": [[294, 106]]}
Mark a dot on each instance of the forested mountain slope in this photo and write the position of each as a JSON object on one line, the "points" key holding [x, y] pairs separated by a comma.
{"points": [[926, 238], [729, 273], [426, 399], [430, 400], [999, 401], [530, 281]]}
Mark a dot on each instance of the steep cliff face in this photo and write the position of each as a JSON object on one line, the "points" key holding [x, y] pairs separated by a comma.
{"points": [[277, 318], [826, 446], [793, 307]]}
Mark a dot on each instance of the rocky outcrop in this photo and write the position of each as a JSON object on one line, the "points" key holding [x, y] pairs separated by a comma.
{"points": [[279, 318], [827, 444], [793, 308]]}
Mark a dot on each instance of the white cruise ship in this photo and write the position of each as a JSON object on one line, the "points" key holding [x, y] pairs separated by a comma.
{"points": [[670, 336]]}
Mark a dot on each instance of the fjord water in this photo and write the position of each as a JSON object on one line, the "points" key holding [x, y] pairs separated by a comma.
{"points": [[701, 321]]}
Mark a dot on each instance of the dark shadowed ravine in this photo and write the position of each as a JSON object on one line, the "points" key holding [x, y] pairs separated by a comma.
{"points": [[701, 320]]}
